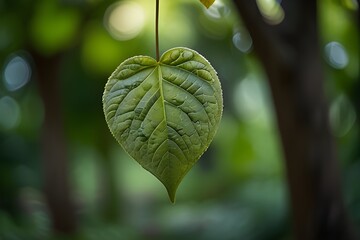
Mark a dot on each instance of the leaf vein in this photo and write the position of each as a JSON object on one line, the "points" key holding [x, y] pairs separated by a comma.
{"points": [[202, 104]]}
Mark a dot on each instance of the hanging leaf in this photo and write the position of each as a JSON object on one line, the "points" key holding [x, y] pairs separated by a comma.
{"points": [[207, 3], [164, 114]]}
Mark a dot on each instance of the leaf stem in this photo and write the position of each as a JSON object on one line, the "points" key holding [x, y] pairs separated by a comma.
{"points": [[157, 30]]}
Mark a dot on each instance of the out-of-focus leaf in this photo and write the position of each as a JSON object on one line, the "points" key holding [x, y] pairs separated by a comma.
{"points": [[207, 3], [164, 114], [100, 52], [53, 28]]}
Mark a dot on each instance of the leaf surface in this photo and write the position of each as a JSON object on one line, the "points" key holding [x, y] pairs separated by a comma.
{"points": [[164, 114], [207, 3]]}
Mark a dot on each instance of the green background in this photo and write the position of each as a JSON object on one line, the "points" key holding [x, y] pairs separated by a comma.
{"points": [[237, 190]]}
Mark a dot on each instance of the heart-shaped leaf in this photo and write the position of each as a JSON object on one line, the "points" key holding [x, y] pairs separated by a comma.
{"points": [[207, 3], [164, 114]]}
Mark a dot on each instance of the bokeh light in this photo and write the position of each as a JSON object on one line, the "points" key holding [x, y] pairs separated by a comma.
{"points": [[342, 115], [242, 40], [336, 55], [101, 53], [124, 20], [250, 100], [17, 73], [54, 27], [9, 112], [271, 11]]}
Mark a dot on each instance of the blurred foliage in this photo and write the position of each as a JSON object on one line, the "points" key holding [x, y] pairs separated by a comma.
{"points": [[236, 191]]}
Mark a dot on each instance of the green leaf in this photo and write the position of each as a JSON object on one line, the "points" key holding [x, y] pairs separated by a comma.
{"points": [[164, 114], [207, 3]]}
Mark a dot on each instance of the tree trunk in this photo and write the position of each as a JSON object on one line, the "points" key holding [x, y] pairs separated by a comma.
{"points": [[54, 151], [290, 55]]}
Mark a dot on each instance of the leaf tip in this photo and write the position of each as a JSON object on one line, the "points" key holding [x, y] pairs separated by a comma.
{"points": [[172, 199], [171, 194]]}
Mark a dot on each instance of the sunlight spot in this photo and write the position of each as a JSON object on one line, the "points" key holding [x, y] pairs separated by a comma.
{"points": [[9, 112], [271, 11], [17, 73], [124, 20], [336, 55]]}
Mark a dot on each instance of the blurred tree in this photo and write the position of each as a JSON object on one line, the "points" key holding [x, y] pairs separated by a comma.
{"points": [[56, 30], [289, 51], [54, 147]]}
